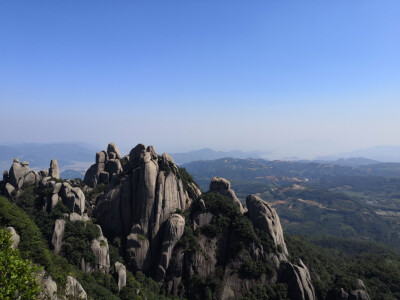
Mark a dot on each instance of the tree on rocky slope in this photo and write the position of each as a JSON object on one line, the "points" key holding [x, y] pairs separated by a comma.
{"points": [[18, 277]]}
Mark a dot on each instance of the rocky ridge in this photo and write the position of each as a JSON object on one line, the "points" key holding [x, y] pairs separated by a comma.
{"points": [[168, 228]]}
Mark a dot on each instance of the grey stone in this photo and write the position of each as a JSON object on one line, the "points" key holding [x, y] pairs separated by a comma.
{"points": [[54, 170], [173, 232], [58, 235], [74, 288], [9, 190], [112, 148], [201, 219], [17, 174], [121, 270], [48, 287], [265, 218], [101, 252], [223, 187], [299, 281], [101, 157], [14, 236]]}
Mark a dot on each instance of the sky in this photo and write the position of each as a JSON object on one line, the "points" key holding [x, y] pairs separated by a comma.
{"points": [[300, 78]]}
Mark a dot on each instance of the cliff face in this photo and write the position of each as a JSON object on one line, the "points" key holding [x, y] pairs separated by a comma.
{"points": [[172, 232], [141, 201]]}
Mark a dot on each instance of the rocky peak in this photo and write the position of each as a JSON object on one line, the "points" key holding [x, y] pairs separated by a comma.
{"points": [[223, 187], [265, 218], [106, 166], [139, 205]]}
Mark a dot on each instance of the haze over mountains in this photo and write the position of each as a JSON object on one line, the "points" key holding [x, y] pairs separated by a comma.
{"points": [[75, 158]]}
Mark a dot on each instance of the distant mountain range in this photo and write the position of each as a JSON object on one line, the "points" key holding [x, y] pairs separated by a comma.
{"points": [[210, 154], [378, 153]]}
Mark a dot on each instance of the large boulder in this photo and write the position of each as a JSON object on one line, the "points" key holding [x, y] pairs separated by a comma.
{"points": [[17, 173], [54, 170], [298, 279], [48, 287], [58, 235], [121, 271], [265, 218], [74, 289], [14, 236], [9, 190], [223, 187], [112, 148], [101, 252]]}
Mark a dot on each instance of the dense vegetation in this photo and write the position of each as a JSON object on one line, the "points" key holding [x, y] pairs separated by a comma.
{"points": [[35, 228], [17, 275], [339, 262]]}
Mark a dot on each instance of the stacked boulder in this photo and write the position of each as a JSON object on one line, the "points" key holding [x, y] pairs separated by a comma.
{"points": [[71, 196], [107, 165], [21, 174]]}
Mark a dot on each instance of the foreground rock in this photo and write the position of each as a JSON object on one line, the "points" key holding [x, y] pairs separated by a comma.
{"points": [[14, 236]]}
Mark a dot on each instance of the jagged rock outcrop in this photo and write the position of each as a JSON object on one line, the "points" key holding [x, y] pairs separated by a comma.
{"points": [[360, 293], [74, 288], [265, 218], [14, 236], [121, 271], [139, 205], [113, 152], [101, 252], [223, 186], [58, 235], [17, 173], [299, 281], [54, 170], [71, 196], [107, 164]]}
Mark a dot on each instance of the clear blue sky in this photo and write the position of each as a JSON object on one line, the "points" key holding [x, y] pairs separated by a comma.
{"points": [[304, 77]]}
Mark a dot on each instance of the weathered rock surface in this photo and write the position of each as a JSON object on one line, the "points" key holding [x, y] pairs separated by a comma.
{"points": [[265, 218], [58, 235], [9, 190], [14, 236], [74, 288], [121, 271], [107, 164], [112, 148], [223, 186], [48, 287], [174, 231], [17, 174], [101, 252], [358, 294], [54, 170], [137, 207], [299, 281]]}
